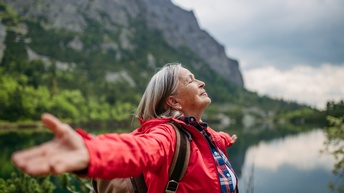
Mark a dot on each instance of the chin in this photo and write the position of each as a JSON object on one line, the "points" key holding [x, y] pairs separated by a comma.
{"points": [[208, 101]]}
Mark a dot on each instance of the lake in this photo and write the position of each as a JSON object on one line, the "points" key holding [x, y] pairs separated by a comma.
{"points": [[275, 164], [290, 164]]}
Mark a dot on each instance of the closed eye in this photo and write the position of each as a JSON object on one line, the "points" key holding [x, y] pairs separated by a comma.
{"points": [[191, 79]]}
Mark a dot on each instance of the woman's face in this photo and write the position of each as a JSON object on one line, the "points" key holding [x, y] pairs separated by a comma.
{"points": [[191, 96]]}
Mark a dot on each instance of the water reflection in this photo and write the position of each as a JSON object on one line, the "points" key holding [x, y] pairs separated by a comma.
{"points": [[292, 164]]}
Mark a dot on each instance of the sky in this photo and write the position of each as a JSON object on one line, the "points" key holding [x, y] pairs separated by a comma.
{"points": [[287, 49]]}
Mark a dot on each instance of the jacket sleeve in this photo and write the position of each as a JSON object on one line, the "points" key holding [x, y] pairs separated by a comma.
{"points": [[222, 139], [124, 155], [226, 138]]}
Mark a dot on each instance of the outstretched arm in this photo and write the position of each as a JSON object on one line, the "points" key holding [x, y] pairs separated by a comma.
{"points": [[65, 153]]}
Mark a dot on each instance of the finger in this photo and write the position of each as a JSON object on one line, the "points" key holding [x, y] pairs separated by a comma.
{"points": [[54, 124], [21, 158], [234, 138], [38, 166]]}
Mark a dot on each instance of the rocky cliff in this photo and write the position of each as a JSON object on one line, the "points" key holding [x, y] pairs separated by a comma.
{"points": [[178, 27]]}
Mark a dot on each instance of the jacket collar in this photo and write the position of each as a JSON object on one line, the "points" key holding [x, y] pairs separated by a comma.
{"points": [[145, 124], [183, 120]]}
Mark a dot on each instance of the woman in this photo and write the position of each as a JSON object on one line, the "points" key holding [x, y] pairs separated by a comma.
{"points": [[173, 93]]}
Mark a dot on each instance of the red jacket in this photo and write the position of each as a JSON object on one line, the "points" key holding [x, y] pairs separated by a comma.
{"points": [[150, 150]]}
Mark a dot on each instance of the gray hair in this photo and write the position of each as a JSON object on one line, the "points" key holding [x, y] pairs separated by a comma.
{"points": [[162, 85]]}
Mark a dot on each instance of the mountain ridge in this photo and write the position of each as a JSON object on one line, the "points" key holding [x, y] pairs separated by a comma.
{"points": [[177, 26], [96, 70]]}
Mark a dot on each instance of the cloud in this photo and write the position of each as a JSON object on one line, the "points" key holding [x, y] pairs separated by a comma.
{"points": [[301, 152], [289, 49], [282, 32], [305, 84]]}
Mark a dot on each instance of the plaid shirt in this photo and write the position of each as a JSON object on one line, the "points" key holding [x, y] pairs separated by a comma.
{"points": [[226, 173]]}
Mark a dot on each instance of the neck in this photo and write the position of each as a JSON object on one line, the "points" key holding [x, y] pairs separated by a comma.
{"points": [[196, 115]]}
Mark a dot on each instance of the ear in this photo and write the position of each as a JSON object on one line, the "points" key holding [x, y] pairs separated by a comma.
{"points": [[173, 103]]}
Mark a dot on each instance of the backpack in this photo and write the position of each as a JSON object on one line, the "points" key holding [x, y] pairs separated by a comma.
{"points": [[137, 184]]}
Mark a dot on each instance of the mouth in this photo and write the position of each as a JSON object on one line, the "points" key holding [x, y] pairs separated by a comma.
{"points": [[203, 93]]}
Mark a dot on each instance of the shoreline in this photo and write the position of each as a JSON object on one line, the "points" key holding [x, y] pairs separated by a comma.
{"points": [[21, 125]]}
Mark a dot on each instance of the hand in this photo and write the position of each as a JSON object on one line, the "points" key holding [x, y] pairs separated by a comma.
{"points": [[65, 153], [234, 138]]}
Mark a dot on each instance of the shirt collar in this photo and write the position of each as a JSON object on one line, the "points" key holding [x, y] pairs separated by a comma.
{"points": [[190, 120]]}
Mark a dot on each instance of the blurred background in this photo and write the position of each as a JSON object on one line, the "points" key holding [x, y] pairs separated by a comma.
{"points": [[273, 69]]}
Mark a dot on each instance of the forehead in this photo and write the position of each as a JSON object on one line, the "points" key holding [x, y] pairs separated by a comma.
{"points": [[184, 74]]}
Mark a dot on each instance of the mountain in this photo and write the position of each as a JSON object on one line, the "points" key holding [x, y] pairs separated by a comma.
{"points": [[178, 27], [90, 60]]}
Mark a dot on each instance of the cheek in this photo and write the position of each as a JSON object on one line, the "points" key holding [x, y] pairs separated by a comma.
{"points": [[189, 96], [189, 99]]}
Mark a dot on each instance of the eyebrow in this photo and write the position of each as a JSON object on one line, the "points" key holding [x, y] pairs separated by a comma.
{"points": [[191, 76]]}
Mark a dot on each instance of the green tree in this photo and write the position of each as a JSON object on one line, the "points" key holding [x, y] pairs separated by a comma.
{"points": [[334, 145], [69, 104], [22, 183], [66, 183], [335, 109]]}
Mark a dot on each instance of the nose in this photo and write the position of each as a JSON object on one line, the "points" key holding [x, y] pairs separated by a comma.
{"points": [[200, 83]]}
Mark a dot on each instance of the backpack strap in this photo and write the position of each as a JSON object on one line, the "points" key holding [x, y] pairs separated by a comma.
{"points": [[178, 166], [137, 184], [180, 160]]}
